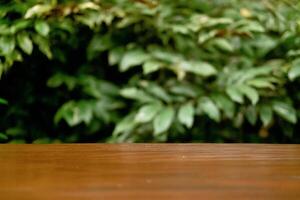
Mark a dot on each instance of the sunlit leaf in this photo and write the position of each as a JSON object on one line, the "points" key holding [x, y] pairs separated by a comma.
{"points": [[186, 114], [210, 109], [158, 91], [7, 45], [151, 66], [44, 45], [286, 111], [42, 27], [295, 70], [199, 68], [134, 93], [225, 104], [25, 43], [250, 93], [126, 124], [260, 83], [163, 120], [147, 113], [133, 58], [115, 55], [38, 9], [235, 94], [224, 45]]}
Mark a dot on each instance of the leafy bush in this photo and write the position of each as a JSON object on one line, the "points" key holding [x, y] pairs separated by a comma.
{"points": [[150, 71]]}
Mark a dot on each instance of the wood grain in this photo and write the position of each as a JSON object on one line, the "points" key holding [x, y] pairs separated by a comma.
{"points": [[149, 171]]}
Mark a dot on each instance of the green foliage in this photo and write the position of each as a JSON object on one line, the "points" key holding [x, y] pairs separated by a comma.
{"points": [[163, 120], [3, 101], [186, 114], [150, 71]]}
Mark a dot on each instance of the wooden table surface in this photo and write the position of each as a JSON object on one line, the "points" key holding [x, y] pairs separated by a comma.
{"points": [[149, 171]]}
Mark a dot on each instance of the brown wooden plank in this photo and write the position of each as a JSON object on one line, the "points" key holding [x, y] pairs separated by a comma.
{"points": [[149, 171]]}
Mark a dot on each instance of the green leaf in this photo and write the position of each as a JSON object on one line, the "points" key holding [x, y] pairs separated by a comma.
{"points": [[15, 132], [133, 58], [241, 76], [186, 114], [37, 10], [185, 90], [127, 124], [3, 137], [163, 120], [20, 25], [88, 5], [295, 70], [237, 92], [5, 29], [15, 56], [66, 112], [59, 79], [98, 44], [266, 115], [251, 115], [234, 93], [115, 55], [165, 55], [260, 83], [286, 111], [3, 101], [210, 109], [147, 113], [199, 68], [203, 37], [25, 43], [42, 28], [252, 26], [86, 111], [151, 66], [44, 45], [75, 113], [225, 104], [250, 93], [223, 44], [7, 45], [158, 91], [137, 94]]}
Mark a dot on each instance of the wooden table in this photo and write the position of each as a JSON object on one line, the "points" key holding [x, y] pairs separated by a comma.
{"points": [[149, 171]]}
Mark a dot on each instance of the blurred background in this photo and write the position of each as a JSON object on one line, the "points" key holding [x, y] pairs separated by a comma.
{"points": [[149, 71]]}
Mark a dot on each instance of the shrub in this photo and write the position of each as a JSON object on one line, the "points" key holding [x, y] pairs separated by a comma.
{"points": [[150, 71]]}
